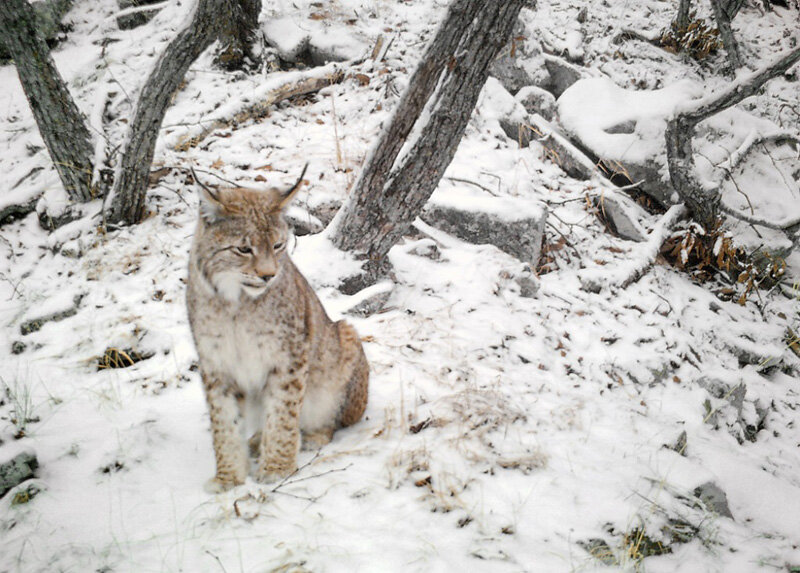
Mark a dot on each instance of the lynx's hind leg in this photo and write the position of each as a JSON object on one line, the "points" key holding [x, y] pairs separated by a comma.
{"points": [[356, 371], [280, 438]]}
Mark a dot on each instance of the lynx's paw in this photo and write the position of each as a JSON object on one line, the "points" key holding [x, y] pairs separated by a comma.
{"points": [[218, 485], [315, 440], [271, 475]]}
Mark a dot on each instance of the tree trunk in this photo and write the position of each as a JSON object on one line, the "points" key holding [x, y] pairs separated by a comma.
{"points": [[391, 192], [130, 187], [682, 21], [238, 34], [61, 124], [723, 18]]}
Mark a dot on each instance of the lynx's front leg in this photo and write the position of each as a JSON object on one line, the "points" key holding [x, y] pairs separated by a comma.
{"points": [[229, 447], [280, 438]]}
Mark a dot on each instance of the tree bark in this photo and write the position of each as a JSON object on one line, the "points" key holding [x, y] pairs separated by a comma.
{"points": [[682, 21], [390, 193], [722, 15], [61, 124], [239, 26], [130, 187], [704, 203]]}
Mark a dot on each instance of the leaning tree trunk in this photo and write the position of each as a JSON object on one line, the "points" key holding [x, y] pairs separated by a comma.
{"points": [[704, 203], [61, 124], [682, 21], [130, 186], [238, 34], [724, 12], [390, 192]]}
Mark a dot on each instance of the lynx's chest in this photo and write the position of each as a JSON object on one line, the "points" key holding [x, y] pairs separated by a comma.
{"points": [[243, 348]]}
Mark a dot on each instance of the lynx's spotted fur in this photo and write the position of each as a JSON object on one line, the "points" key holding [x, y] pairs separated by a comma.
{"points": [[274, 366]]}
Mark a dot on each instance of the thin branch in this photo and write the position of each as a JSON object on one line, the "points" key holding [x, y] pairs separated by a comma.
{"points": [[639, 261], [742, 88], [780, 226]]}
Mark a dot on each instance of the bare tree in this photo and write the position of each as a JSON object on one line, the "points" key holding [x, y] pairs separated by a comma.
{"points": [[64, 129], [704, 204], [127, 203], [412, 153], [61, 124], [238, 35], [724, 13]]}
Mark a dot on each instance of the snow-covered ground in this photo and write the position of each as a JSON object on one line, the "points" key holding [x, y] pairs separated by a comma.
{"points": [[572, 431]]}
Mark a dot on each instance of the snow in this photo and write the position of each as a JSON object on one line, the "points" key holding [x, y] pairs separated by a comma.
{"points": [[501, 431], [590, 108]]}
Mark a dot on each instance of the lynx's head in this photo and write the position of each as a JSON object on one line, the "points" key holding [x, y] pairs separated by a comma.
{"points": [[240, 240]]}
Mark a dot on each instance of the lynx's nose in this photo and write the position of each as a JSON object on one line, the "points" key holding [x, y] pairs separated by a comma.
{"points": [[266, 277]]}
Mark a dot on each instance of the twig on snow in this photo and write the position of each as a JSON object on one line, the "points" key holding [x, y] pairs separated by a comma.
{"points": [[640, 260]]}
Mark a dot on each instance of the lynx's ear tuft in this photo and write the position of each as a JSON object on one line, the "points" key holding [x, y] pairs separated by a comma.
{"points": [[286, 196], [211, 208]]}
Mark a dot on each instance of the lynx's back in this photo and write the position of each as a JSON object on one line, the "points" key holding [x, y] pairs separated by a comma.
{"points": [[273, 364]]}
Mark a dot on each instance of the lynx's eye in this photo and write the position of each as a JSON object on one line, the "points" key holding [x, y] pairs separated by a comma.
{"points": [[279, 245], [244, 249]]}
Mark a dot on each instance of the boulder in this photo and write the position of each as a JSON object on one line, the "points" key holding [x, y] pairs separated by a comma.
{"points": [[18, 469], [515, 226], [537, 100], [714, 499], [132, 17]]}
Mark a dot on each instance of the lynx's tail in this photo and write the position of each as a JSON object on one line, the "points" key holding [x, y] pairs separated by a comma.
{"points": [[355, 401]]}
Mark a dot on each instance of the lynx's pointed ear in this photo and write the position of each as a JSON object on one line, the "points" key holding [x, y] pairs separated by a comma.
{"points": [[211, 208], [286, 196]]}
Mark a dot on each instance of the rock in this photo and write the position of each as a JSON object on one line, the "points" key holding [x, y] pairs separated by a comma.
{"points": [[515, 226], [137, 18], [496, 103], [311, 43], [714, 499], [426, 248], [619, 218], [302, 222], [562, 75], [680, 444], [16, 470], [35, 324], [371, 300], [519, 62], [18, 347], [48, 14], [537, 100], [528, 283]]}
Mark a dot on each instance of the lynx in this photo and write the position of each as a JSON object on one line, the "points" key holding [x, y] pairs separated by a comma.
{"points": [[274, 366]]}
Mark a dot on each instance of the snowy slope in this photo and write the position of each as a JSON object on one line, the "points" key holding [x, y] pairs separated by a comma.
{"points": [[563, 432]]}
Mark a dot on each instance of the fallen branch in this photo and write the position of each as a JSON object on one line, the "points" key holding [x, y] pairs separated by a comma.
{"points": [[640, 259], [751, 141], [292, 88], [779, 226], [576, 163], [14, 211]]}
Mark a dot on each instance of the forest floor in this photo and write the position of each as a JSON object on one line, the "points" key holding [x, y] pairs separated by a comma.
{"points": [[652, 427]]}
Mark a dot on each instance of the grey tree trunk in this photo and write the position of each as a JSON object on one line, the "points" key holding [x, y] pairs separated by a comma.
{"points": [[682, 21], [389, 194], [130, 187], [61, 124], [722, 14], [238, 35]]}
